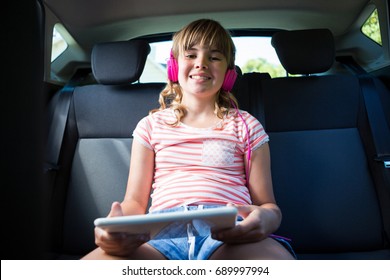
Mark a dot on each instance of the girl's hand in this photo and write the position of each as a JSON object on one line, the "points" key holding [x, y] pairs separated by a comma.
{"points": [[118, 244], [256, 225]]}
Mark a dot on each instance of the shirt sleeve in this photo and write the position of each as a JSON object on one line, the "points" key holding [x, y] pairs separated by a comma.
{"points": [[257, 134], [143, 131]]}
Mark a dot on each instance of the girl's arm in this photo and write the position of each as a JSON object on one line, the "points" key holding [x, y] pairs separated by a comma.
{"points": [[140, 180]]}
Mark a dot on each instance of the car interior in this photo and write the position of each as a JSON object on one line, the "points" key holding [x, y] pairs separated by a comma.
{"points": [[328, 118]]}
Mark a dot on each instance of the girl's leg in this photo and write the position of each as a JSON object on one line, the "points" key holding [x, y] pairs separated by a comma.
{"points": [[144, 252], [267, 249]]}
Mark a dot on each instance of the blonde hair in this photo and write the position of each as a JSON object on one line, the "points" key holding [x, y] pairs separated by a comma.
{"points": [[205, 32]]}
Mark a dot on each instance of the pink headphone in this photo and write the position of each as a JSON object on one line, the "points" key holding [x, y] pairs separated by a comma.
{"points": [[172, 69]]}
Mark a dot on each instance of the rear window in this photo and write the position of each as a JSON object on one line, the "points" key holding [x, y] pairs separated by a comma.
{"points": [[253, 54]]}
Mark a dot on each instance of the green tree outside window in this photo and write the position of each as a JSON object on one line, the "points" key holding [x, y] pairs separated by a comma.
{"points": [[371, 28]]}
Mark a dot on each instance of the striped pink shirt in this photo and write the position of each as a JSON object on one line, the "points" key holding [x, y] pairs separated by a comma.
{"points": [[199, 165]]}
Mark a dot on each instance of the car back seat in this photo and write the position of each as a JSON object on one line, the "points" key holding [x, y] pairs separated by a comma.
{"points": [[317, 124], [94, 158], [321, 153]]}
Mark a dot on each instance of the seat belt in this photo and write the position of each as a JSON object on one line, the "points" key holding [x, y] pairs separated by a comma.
{"points": [[376, 117], [252, 85], [381, 138], [380, 133], [60, 117], [55, 136]]}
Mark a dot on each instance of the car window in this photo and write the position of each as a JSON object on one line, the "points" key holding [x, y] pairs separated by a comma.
{"points": [[253, 54], [59, 45], [256, 54], [371, 28]]}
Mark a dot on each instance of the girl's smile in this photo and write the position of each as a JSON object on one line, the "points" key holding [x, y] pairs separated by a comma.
{"points": [[200, 77]]}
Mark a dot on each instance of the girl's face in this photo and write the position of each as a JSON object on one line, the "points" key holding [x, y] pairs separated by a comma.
{"points": [[201, 70]]}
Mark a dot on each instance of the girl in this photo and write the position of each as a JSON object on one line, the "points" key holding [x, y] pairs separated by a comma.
{"points": [[199, 151]]}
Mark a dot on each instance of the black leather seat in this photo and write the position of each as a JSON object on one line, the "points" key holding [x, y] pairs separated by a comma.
{"points": [[94, 159], [322, 165]]}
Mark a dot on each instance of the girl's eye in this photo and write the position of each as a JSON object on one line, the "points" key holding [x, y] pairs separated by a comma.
{"points": [[194, 56], [190, 56]]}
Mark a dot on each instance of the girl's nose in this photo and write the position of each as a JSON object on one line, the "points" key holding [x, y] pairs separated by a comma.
{"points": [[201, 62]]}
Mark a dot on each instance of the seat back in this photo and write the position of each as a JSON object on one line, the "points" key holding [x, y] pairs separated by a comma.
{"points": [[321, 176], [320, 154], [95, 155]]}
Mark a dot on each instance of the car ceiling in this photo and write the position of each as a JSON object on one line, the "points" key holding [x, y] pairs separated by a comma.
{"points": [[91, 21]]}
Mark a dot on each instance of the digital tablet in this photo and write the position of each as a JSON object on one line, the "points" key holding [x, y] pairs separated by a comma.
{"points": [[158, 225]]}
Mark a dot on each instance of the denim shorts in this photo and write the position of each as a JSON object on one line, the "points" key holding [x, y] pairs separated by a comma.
{"points": [[194, 241]]}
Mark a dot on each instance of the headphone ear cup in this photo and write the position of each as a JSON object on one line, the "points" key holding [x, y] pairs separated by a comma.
{"points": [[172, 68], [230, 79]]}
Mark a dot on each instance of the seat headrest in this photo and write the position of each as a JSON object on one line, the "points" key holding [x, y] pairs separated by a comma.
{"points": [[115, 63], [305, 51]]}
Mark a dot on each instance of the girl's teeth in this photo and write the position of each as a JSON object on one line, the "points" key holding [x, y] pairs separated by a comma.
{"points": [[199, 77]]}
